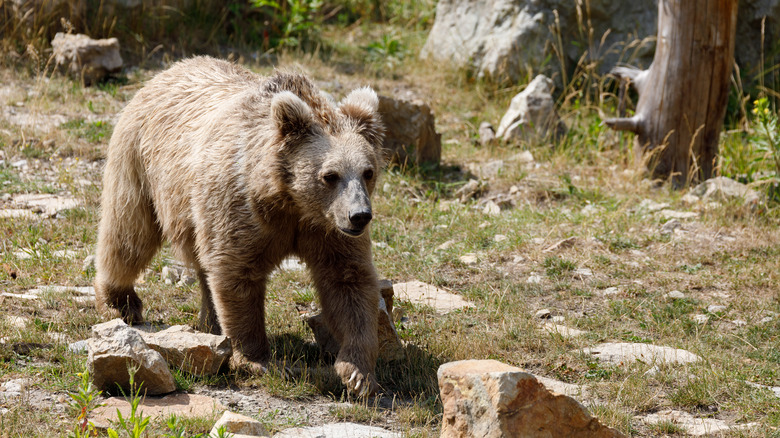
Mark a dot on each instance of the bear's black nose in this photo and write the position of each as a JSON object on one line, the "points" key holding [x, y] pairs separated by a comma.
{"points": [[360, 218]]}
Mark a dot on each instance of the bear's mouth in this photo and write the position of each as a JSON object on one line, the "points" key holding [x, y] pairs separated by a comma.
{"points": [[352, 232]]}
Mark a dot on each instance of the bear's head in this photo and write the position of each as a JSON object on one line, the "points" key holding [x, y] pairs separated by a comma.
{"points": [[333, 156]]}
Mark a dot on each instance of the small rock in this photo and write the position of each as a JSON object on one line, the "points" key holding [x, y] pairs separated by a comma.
{"points": [[700, 319], [67, 254], [654, 370], [486, 134], [440, 300], [722, 189], [543, 314], [84, 57], [478, 395], [115, 346], [491, 209], [584, 272], [610, 291], [170, 275], [670, 226], [765, 320], [531, 114], [621, 353], [411, 130], [337, 430], [238, 424], [651, 206], [17, 322], [561, 244], [192, 351], [672, 214], [445, 246], [739, 322], [524, 157], [16, 385], [469, 259], [470, 190], [14, 213], [774, 389], [187, 280], [675, 295], [714, 308], [562, 330], [534, 279], [693, 425], [498, 238], [294, 264], [19, 164], [89, 263]]}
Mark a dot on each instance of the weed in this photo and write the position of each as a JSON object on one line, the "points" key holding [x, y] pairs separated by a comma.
{"points": [[83, 402]]}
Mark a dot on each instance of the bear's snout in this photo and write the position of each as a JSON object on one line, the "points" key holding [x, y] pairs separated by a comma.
{"points": [[360, 218]]}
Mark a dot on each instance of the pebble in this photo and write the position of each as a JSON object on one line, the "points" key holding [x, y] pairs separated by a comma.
{"points": [[739, 322], [700, 319], [498, 238], [543, 314], [713, 308], [675, 295], [469, 259], [534, 279]]}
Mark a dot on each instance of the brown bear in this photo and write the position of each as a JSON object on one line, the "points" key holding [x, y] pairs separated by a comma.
{"points": [[239, 171]]}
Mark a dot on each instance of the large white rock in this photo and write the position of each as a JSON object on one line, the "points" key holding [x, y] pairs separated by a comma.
{"points": [[623, 353], [489, 399], [84, 57], [115, 346], [190, 350], [531, 114]]}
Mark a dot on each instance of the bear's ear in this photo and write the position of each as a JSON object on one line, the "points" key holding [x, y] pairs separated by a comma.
{"points": [[291, 115], [362, 107]]}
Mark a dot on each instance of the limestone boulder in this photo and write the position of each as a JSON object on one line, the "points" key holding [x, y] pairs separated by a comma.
{"points": [[87, 58], [487, 398], [531, 114], [192, 351], [113, 348], [624, 353], [411, 135]]}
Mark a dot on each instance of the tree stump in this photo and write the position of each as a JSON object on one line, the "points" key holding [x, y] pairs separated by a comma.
{"points": [[683, 95]]}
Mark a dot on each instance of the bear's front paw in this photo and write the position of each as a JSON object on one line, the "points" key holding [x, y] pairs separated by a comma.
{"points": [[358, 383], [239, 362]]}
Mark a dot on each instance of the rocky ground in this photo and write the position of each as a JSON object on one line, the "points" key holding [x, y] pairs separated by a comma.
{"points": [[655, 309]]}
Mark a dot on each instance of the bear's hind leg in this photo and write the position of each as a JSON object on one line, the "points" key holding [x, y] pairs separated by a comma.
{"points": [[128, 238]]}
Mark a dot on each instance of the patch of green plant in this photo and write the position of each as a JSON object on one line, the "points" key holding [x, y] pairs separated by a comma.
{"points": [[293, 22], [597, 372], [94, 132], [388, 51], [556, 267], [691, 269]]}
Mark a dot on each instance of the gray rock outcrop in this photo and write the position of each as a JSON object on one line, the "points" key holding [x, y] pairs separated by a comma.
{"points": [[87, 58], [507, 39]]}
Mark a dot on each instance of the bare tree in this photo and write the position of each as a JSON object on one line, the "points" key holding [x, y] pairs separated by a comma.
{"points": [[683, 95]]}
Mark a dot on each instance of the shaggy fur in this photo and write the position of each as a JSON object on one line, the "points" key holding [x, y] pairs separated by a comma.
{"points": [[237, 172]]}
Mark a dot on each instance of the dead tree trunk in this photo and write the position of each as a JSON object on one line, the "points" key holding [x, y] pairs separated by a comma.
{"points": [[683, 95]]}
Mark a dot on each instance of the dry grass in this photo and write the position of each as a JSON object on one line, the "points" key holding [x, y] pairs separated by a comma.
{"points": [[588, 187]]}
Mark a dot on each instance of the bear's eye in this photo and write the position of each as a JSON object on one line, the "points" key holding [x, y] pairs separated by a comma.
{"points": [[331, 177], [368, 175]]}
